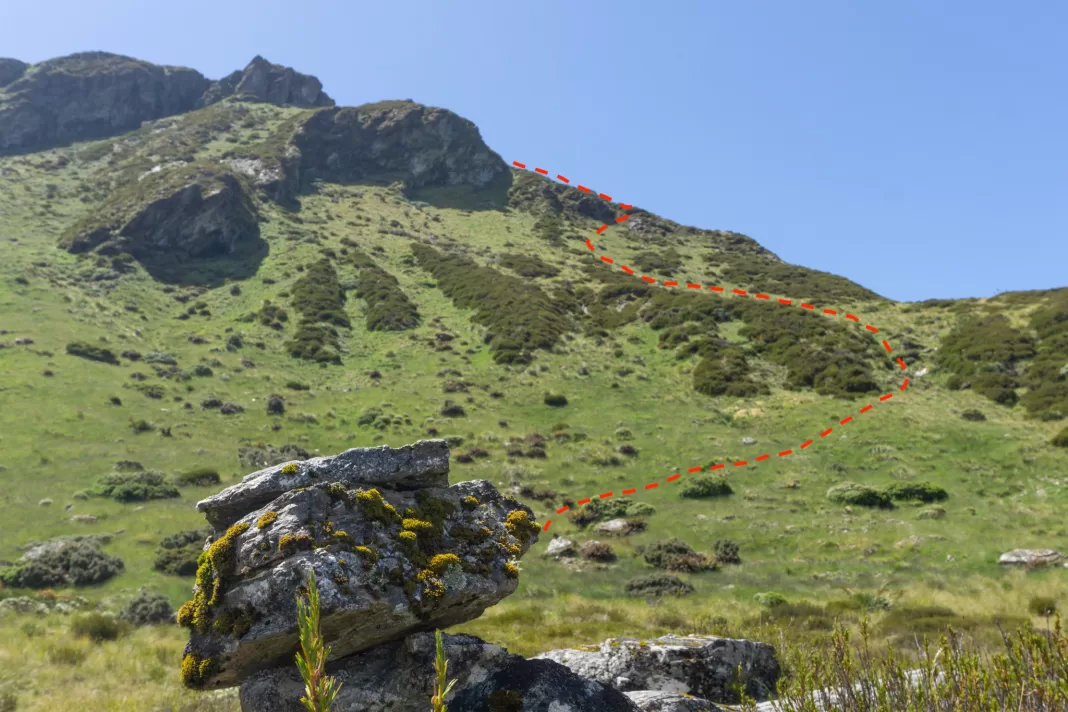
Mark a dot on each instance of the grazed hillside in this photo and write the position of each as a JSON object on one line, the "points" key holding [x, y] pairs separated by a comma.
{"points": [[196, 279]]}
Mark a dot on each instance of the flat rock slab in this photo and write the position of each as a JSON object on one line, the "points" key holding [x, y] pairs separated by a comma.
{"points": [[422, 464], [1031, 557], [704, 667], [656, 701], [399, 677], [375, 587]]}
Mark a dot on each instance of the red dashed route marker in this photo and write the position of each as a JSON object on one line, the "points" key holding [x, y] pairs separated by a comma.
{"points": [[713, 288]]}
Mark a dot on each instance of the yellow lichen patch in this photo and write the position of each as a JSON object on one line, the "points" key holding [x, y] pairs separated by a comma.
{"points": [[291, 468], [510, 549], [471, 501], [511, 570], [196, 669], [214, 567], [266, 520], [416, 525], [519, 525], [433, 587], [439, 562]]}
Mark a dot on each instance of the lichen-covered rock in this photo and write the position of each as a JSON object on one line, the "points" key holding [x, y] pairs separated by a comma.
{"points": [[656, 701], [270, 83], [191, 210], [704, 667], [422, 464], [398, 677], [88, 95], [389, 562]]}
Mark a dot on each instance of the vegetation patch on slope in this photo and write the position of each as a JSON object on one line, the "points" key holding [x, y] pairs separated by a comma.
{"points": [[388, 307], [320, 300]]}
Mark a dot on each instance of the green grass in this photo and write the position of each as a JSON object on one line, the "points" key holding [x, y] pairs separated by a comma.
{"points": [[60, 433]]}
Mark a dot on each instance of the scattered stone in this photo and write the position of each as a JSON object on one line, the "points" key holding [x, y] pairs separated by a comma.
{"points": [[46, 502], [83, 518], [24, 341], [620, 527], [230, 409], [748, 441], [697, 665], [560, 546]]}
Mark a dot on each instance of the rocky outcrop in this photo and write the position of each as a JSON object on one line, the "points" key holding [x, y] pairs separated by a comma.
{"points": [[398, 677], [656, 701], [10, 70], [269, 83], [1032, 558], [89, 95], [705, 667], [395, 550], [183, 210]]}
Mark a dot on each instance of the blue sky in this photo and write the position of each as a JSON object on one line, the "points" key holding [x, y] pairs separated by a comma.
{"points": [[919, 148]]}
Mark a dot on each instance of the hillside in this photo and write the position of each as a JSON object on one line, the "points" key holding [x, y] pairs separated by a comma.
{"points": [[221, 268]]}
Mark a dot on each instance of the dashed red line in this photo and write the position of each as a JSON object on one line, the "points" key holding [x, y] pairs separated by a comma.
{"points": [[713, 288]]}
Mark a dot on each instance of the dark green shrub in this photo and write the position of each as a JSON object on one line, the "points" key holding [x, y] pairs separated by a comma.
{"points": [[528, 265], [199, 477], [726, 551], [861, 495], [597, 551], [555, 400], [141, 426], [916, 492], [178, 553], [656, 585], [146, 608], [134, 486], [601, 509], [1042, 606], [705, 486], [93, 353], [203, 371], [319, 298], [1060, 439], [973, 415], [666, 263], [297, 386], [76, 563], [98, 627], [388, 307], [676, 555]]}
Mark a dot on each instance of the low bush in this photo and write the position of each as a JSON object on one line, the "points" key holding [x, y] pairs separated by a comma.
{"points": [[134, 486], [656, 585], [199, 477], [851, 493], [98, 627], [555, 400], [1042, 606], [388, 307], [676, 555], [601, 509], [597, 551], [76, 563], [92, 353], [973, 415], [704, 487], [147, 608], [916, 492], [1060, 439], [726, 551], [178, 553]]}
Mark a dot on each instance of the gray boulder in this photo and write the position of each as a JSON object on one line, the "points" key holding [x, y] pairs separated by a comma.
{"points": [[268, 83], [560, 546], [86, 96], [422, 464], [656, 701], [398, 677], [704, 667], [1031, 558], [388, 562]]}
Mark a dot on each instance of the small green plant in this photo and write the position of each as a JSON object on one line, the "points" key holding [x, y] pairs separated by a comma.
{"points": [[320, 690], [441, 667]]}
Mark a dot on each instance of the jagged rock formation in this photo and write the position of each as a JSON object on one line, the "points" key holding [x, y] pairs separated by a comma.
{"points": [[270, 83], [88, 95], [187, 210], [395, 551], [94, 95], [704, 667], [398, 677]]}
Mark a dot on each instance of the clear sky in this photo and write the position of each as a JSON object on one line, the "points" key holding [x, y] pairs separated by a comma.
{"points": [[919, 148]]}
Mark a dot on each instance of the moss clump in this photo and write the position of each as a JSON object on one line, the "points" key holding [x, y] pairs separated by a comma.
{"points": [[196, 670], [439, 562], [376, 508], [266, 520], [369, 556], [511, 570], [291, 543], [521, 526], [407, 537], [291, 468], [338, 493], [343, 537], [213, 572], [417, 525]]}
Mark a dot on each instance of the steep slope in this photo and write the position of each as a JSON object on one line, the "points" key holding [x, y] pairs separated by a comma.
{"points": [[244, 275]]}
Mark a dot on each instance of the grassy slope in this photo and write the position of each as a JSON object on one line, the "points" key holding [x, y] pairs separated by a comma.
{"points": [[59, 433]]}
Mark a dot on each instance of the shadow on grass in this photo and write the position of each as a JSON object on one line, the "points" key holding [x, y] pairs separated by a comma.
{"points": [[209, 270]]}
